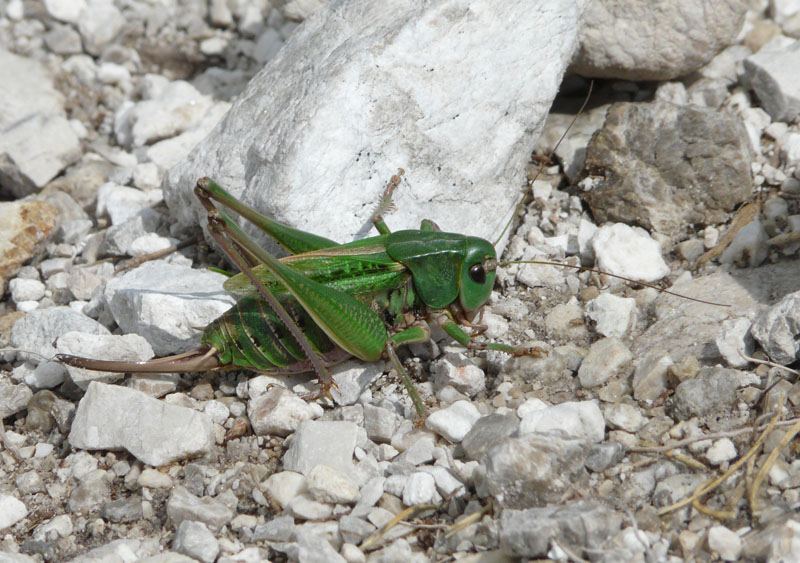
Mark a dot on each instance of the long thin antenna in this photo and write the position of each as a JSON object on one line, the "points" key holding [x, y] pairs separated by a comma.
{"points": [[585, 269], [541, 166]]}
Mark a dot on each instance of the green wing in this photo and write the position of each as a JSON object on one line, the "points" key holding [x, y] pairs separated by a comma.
{"points": [[357, 268]]}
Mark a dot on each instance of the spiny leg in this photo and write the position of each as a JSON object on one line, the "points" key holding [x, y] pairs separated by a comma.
{"points": [[445, 320], [230, 238], [385, 204], [419, 332]]}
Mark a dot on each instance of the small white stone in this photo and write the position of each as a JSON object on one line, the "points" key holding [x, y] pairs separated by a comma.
{"points": [[605, 359], [460, 373], [15, 10], [420, 489], [586, 232], [497, 325], [352, 554], [26, 290], [213, 45], [278, 412], [167, 304], [581, 420], [284, 486], [454, 421], [142, 431], [710, 237], [776, 329], [725, 542], [154, 479], [613, 315], [244, 521], [779, 475], [65, 10], [43, 449], [112, 73], [776, 130], [394, 485], [99, 24], [772, 74], [790, 149], [121, 203], [327, 484], [755, 121], [196, 540], [446, 483], [176, 108], [352, 378], [148, 244], [12, 510], [721, 451], [625, 417], [629, 252], [57, 527], [419, 451], [147, 176], [304, 506], [734, 339], [46, 375], [217, 410], [749, 246]]}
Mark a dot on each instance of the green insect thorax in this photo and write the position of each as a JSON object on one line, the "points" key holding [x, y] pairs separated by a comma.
{"points": [[446, 266]]}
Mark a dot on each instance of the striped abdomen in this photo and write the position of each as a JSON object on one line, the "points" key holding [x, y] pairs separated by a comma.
{"points": [[250, 336]]}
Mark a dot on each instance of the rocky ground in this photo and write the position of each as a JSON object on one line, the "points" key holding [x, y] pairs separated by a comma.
{"points": [[652, 426]]}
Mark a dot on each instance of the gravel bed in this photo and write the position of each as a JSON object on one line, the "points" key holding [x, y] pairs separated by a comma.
{"points": [[649, 425]]}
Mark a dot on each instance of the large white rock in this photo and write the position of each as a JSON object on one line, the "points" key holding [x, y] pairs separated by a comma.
{"points": [[126, 347], [38, 330], [643, 40], [110, 417], [455, 92], [575, 419], [30, 92], [169, 305]]}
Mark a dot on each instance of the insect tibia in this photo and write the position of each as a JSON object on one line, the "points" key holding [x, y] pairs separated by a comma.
{"points": [[623, 278]]}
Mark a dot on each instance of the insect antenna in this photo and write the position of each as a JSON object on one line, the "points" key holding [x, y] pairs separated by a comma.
{"points": [[541, 165], [602, 273]]}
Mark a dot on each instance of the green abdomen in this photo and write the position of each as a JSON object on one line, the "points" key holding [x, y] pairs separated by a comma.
{"points": [[251, 336]]}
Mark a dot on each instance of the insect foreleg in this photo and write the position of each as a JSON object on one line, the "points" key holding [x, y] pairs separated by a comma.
{"points": [[445, 320]]}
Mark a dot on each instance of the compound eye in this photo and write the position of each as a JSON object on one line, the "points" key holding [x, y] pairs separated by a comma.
{"points": [[477, 273]]}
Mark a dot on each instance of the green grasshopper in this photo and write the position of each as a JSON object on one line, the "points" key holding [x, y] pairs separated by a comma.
{"points": [[326, 302]]}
